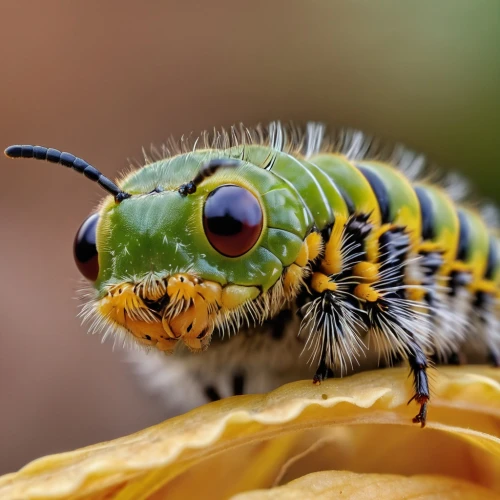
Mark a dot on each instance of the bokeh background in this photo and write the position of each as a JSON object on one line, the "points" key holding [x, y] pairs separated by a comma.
{"points": [[102, 79]]}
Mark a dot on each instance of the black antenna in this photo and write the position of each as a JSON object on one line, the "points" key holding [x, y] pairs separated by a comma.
{"points": [[68, 160], [207, 170]]}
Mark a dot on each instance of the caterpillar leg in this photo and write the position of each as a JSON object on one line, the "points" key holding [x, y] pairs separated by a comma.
{"points": [[323, 371], [237, 387], [454, 358], [485, 307], [238, 383], [494, 358], [212, 393], [331, 322], [418, 367]]}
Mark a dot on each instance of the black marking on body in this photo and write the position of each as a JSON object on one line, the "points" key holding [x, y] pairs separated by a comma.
{"points": [[394, 247], [380, 192], [493, 259], [458, 279], [326, 232], [348, 201], [358, 228], [463, 238], [427, 214], [430, 264]]}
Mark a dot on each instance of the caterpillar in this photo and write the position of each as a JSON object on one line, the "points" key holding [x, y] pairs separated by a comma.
{"points": [[288, 252]]}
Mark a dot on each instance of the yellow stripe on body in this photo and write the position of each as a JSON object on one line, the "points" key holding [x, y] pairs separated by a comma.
{"points": [[354, 186]]}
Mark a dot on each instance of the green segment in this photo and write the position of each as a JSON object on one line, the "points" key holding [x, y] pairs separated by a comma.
{"points": [[282, 244], [335, 199], [404, 207], [289, 168], [477, 255], [299, 178], [349, 180], [445, 223], [444, 213], [286, 212], [168, 174]]}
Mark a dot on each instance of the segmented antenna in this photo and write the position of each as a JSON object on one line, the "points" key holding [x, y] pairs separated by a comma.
{"points": [[207, 170], [68, 160]]}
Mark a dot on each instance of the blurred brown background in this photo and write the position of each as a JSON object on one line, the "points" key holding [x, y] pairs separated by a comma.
{"points": [[102, 79]]}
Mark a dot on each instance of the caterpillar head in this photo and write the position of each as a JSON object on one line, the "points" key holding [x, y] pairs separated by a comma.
{"points": [[201, 241]]}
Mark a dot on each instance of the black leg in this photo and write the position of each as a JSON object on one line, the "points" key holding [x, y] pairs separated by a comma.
{"points": [[418, 366], [455, 358], [323, 371], [238, 384], [212, 393], [494, 358]]}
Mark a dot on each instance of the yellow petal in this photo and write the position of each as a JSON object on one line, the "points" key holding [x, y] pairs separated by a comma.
{"points": [[359, 424], [332, 484]]}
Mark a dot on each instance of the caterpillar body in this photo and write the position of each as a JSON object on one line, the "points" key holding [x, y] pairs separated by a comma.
{"points": [[314, 250]]}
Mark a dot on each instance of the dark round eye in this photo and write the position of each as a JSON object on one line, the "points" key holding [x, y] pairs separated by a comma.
{"points": [[232, 219], [85, 250]]}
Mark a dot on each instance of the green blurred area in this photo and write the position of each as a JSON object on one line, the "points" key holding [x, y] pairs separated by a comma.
{"points": [[103, 79]]}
